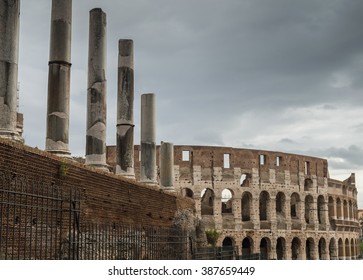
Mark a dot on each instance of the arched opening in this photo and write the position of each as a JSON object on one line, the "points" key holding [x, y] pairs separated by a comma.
{"points": [[295, 249], [246, 206], [264, 205], [345, 209], [265, 248], [321, 209], [331, 210], [247, 246], [350, 206], [227, 252], [309, 209], [340, 249], [186, 192], [332, 250], [347, 249], [339, 208], [281, 248], [295, 206], [322, 249], [245, 180], [226, 200], [308, 184], [207, 202], [280, 210], [310, 249]]}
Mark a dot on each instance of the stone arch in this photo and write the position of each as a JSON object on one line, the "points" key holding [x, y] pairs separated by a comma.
{"points": [[321, 209], [207, 202], [345, 209], [281, 248], [246, 206], [309, 209], [265, 248], [332, 249], [339, 208], [264, 203], [227, 252], [295, 249], [227, 201], [295, 205], [340, 249], [347, 249], [247, 246], [310, 248], [322, 250], [186, 192]]}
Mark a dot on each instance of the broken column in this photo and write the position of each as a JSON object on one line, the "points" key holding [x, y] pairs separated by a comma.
{"points": [[96, 91], [125, 110], [167, 166], [148, 139], [57, 139], [9, 53]]}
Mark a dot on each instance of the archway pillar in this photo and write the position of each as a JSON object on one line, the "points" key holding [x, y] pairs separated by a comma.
{"points": [[255, 213], [237, 212], [272, 214]]}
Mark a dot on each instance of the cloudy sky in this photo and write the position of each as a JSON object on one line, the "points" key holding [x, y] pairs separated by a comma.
{"points": [[265, 74]]}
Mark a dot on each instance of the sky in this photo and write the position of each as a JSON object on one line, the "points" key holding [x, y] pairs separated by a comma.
{"points": [[278, 75]]}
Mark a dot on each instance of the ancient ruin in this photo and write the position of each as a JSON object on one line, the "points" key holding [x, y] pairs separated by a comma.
{"points": [[240, 203]]}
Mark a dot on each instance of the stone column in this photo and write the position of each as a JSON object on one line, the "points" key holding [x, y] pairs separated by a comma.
{"points": [[96, 91], [9, 53], [167, 165], [125, 110], [148, 139], [57, 139]]}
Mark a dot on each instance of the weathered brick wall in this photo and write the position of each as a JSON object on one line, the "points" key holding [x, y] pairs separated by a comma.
{"points": [[105, 198]]}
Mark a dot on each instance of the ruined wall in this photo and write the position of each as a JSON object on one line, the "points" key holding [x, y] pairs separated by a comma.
{"points": [[105, 198], [280, 205]]}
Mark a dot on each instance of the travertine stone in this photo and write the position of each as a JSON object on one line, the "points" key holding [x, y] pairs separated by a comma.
{"points": [[96, 91], [57, 139], [9, 52], [148, 138], [125, 110]]}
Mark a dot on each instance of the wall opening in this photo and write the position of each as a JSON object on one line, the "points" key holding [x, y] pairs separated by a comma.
{"points": [[264, 206], [227, 200], [262, 159], [278, 161], [321, 209], [307, 168], [309, 249], [308, 185], [246, 206], [226, 160], [245, 180], [295, 206], [340, 249], [295, 249], [186, 192], [247, 246], [339, 208], [265, 248], [207, 202], [332, 250], [281, 248], [186, 155], [309, 209]]}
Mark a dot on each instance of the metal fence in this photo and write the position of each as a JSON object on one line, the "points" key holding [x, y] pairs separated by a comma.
{"points": [[216, 253], [41, 220]]}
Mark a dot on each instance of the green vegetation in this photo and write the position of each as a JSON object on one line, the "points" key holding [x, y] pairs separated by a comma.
{"points": [[212, 236], [63, 169]]}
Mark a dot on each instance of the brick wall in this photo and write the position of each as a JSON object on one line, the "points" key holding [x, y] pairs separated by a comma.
{"points": [[105, 198]]}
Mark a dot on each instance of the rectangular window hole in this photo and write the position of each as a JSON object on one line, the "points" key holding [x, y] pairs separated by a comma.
{"points": [[186, 156], [226, 160]]}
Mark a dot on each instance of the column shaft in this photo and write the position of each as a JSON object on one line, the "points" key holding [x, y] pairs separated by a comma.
{"points": [[96, 91], [9, 53], [125, 110], [148, 139], [57, 139], [167, 165]]}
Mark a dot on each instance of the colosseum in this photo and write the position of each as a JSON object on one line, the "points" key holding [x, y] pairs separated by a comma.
{"points": [[277, 205]]}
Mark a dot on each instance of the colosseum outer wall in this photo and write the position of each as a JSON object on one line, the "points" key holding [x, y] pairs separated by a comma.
{"points": [[282, 206]]}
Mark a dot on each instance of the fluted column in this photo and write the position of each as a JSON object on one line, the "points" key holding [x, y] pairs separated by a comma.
{"points": [[9, 53], [57, 139], [125, 110], [96, 91]]}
